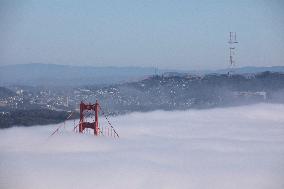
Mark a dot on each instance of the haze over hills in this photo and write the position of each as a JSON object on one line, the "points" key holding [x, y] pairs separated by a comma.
{"points": [[38, 74], [33, 92], [252, 69], [31, 105], [63, 75], [4, 92]]}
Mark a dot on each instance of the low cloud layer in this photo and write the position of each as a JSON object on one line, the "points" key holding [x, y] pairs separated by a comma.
{"points": [[240, 147]]}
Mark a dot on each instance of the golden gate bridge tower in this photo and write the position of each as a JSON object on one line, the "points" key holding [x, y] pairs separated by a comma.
{"points": [[83, 124], [89, 120]]}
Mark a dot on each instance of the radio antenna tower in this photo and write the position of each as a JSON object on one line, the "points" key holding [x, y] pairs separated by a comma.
{"points": [[232, 48], [156, 71]]}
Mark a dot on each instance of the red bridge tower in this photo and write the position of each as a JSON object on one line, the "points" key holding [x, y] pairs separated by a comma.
{"points": [[87, 113], [83, 124]]}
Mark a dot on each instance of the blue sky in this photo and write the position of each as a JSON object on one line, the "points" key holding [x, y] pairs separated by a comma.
{"points": [[167, 34]]}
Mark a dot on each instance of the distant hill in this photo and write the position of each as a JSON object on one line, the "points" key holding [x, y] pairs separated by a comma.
{"points": [[252, 70], [166, 92], [185, 92], [63, 75], [32, 117], [4, 93]]}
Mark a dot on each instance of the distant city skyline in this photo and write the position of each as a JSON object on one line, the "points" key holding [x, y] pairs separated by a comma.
{"points": [[190, 35]]}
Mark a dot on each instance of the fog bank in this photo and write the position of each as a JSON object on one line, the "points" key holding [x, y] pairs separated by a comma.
{"points": [[239, 147]]}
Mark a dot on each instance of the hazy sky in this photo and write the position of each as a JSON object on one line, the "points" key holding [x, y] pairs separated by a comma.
{"points": [[169, 34]]}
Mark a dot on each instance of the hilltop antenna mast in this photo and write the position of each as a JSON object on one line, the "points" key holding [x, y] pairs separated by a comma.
{"points": [[156, 71], [232, 50]]}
